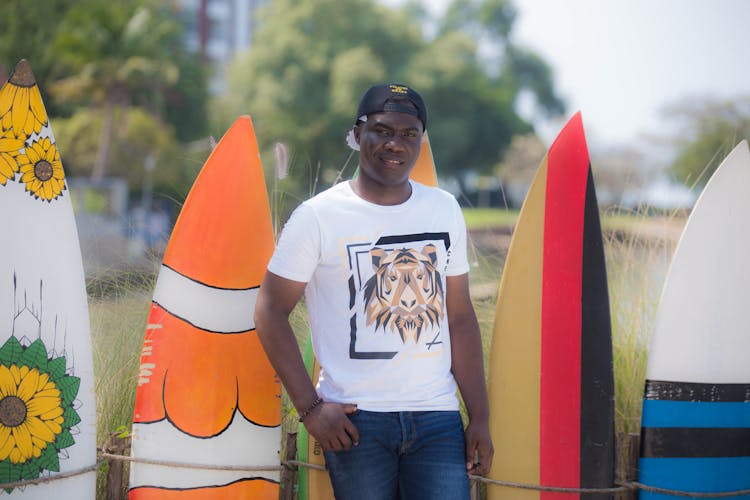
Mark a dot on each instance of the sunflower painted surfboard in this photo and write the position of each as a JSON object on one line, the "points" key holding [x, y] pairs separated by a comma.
{"points": [[207, 395], [695, 433], [315, 484], [47, 407], [551, 385]]}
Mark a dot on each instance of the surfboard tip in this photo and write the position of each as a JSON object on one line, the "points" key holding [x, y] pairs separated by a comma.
{"points": [[22, 74]]}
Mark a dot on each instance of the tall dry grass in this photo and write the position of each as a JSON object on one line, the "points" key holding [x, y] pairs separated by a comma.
{"points": [[638, 254], [118, 307], [637, 264]]}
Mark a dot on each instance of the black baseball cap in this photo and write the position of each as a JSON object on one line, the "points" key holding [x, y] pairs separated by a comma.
{"points": [[386, 97]]}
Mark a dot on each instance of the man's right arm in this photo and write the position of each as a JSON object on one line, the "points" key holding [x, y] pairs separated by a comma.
{"points": [[327, 422]]}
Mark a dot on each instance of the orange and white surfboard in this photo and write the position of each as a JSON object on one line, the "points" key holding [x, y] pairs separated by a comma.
{"points": [[207, 394], [424, 169]]}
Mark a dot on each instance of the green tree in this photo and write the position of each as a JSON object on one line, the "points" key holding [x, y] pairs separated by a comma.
{"points": [[137, 136], [710, 129], [186, 101], [62, 39], [311, 60], [519, 70], [493, 18], [115, 55], [471, 117], [26, 32], [519, 165]]}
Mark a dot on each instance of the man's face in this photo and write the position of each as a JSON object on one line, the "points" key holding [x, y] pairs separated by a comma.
{"points": [[389, 146]]}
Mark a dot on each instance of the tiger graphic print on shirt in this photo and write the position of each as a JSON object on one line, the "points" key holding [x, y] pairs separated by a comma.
{"points": [[405, 295], [397, 295]]}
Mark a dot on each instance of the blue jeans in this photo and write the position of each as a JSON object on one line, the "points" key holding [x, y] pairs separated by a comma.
{"points": [[402, 455]]}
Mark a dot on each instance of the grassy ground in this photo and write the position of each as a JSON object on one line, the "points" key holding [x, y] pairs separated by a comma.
{"points": [[482, 218], [638, 250], [118, 307]]}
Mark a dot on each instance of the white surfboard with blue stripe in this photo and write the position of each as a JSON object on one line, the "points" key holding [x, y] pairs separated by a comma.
{"points": [[695, 432]]}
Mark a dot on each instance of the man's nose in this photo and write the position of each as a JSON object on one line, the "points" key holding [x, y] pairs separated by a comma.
{"points": [[395, 143]]}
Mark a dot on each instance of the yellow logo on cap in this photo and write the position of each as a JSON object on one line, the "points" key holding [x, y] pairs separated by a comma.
{"points": [[399, 89]]}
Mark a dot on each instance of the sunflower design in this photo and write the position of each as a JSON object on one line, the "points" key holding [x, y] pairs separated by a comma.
{"points": [[10, 147], [21, 106], [30, 413], [41, 169], [36, 412]]}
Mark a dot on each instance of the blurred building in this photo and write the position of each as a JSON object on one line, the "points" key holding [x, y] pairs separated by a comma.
{"points": [[217, 30]]}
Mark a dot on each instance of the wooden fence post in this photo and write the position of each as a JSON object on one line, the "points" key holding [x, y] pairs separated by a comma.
{"points": [[288, 473], [116, 445], [474, 491], [634, 451]]}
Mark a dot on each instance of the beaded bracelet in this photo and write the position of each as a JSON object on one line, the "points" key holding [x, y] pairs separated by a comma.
{"points": [[303, 415]]}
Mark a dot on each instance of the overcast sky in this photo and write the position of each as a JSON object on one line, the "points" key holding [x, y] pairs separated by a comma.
{"points": [[620, 61]]}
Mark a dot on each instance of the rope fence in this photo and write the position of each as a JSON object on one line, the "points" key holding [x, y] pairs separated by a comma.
{"points": [[723, 494], [185, 465], [49, 479], [291, 466], [554, 489], [626, 486], [295, 464]]}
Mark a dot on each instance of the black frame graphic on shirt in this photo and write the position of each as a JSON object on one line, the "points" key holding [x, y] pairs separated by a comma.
{"points": [[355, 252]]}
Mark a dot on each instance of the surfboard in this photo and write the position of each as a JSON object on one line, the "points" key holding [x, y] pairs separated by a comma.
{"points": [[311, 483], [207, 395], [314, 484], [424, 169], [551, 387], [695, 432], [47, 404]]}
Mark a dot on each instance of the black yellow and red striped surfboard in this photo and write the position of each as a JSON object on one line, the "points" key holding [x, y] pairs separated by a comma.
{"points": [[550, 378]]}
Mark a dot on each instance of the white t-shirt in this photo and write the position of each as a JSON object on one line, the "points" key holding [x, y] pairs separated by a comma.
{"points": [[376, 294]]}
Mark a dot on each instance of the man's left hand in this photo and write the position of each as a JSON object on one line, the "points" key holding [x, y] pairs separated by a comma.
{"points": [[479, 449]]}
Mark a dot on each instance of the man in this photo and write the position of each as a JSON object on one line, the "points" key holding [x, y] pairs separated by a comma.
{"points": [[382, 263]]}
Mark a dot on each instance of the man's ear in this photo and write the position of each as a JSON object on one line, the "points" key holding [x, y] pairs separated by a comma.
{"points": [[357, 130]]}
